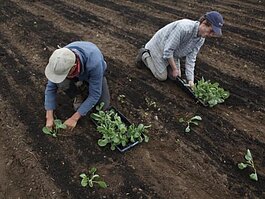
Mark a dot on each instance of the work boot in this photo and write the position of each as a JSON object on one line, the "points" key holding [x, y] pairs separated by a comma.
{"points": [[139, 61]]}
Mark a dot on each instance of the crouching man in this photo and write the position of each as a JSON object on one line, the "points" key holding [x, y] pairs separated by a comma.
{"points": [[79, 70]]}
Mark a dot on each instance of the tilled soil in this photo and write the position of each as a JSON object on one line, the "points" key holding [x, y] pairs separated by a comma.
{"points": [[173, 164]]}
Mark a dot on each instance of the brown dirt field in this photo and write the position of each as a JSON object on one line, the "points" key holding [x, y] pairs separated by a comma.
{"points": [[173, 164]]}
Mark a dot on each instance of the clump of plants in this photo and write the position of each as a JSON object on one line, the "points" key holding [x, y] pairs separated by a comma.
{"points": [[54, 131], [188, 122], [92, 178], [249, 163], [114, 131], [210, 93], [121, 98]]}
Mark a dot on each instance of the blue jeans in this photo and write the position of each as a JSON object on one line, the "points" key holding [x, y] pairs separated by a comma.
{"points": [[74, 87]]}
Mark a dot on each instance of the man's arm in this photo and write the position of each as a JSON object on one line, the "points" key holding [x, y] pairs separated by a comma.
{"points": [[50, 102], [175, 68]]}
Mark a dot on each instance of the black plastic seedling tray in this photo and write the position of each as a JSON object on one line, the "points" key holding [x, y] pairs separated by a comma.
{"points": [[127, 123], [188, 90]]}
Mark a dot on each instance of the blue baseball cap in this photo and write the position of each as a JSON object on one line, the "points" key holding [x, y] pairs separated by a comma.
{"points": [[216, 20]]}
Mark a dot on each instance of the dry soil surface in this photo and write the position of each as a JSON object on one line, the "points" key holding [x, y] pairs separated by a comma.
{"points": [[173, 164]]}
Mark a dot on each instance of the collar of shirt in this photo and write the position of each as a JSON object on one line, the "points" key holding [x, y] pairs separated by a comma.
{"points": [[79, 55], [196, 29], [77, 68]]}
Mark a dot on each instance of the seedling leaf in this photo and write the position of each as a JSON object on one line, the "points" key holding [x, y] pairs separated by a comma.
{"points": [[194, 122], [181, 120], [102, 142], [248, 155], [46, 130], [187, 130], [90, 183], [242, 165], [197, 117], [254, 176], [146, 138], [84, 182], [102, 184], [92, 170], [82, 175]]}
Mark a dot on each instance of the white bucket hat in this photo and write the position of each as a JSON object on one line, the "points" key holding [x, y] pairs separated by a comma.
{"points": [[60, 63]]}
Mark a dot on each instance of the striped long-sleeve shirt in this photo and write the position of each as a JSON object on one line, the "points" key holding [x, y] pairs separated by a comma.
{"points": [[177, 39]]}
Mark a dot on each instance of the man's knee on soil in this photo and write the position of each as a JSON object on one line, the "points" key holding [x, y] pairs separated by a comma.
{"points": [[161, 76]]}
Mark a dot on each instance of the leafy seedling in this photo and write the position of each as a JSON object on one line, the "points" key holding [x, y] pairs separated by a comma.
{"points": [[210, 93], [115, 131], [249, 163], [121, 99], [54, 131], [92, 179], [193, 120], [150, 102]]}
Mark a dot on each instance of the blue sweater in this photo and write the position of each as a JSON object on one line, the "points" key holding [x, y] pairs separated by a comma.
{"points": [[92, 71]]}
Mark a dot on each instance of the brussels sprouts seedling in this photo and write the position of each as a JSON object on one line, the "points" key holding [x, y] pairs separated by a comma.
{"points": [[92, 179], [121, 98], [53, 132], [249, 163], [114, 131], [210, 93], [193, 120]]}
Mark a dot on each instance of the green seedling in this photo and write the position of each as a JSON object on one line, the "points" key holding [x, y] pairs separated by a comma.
{"points": [[150, 103], [193, 120], [210, 93], [114, 131], [92, 179], [249, 163], [137, 133], [121, 99], [54, 131]]}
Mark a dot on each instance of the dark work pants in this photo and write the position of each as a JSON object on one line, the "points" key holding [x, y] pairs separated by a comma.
{"points": [[73, 88]]}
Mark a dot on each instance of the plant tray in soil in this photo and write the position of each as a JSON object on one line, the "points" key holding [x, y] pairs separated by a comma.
{"points": [[184, 86], [127, 123]]}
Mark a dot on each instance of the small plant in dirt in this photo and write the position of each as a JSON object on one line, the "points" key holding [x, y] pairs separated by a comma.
{"points": [[249, 163], [210, 93], [54, 131], [150, 102], [92, 178], [188, 122], [121, 99], [114, 131], [137, 133]]}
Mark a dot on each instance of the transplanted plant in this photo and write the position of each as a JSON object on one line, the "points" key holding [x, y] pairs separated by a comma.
{"points": [[210, 93], [188, 122], [137, 133], [249, 163], [92, 178], [54, 131], [114, 131]]}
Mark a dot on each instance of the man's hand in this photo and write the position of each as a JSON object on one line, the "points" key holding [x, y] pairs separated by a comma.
{"points": [[191, 83], [49, 123], [49, 119], [176, 73], [72, 121]]}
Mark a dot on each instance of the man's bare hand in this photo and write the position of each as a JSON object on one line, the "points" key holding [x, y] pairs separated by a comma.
{"points": [[70, 123], [191, 83], [49, 123], [49, 119], [176, 73]]}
